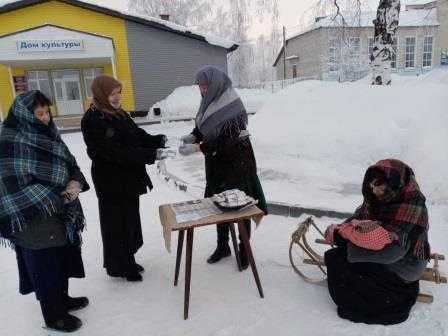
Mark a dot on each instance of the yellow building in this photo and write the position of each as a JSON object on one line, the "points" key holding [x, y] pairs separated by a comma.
{"points": [[59, 46]]}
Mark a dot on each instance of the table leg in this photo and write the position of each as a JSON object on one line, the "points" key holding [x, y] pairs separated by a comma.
{"points": [[180, 244], [235, 246], [188, 271], [245, 238]]}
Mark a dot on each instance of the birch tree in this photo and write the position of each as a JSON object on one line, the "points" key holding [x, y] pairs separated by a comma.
{"points": [[386, 24]]}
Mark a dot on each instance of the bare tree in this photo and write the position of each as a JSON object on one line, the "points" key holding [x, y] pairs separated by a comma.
{"points": [[386, 24], [184, 12], [344, 60], [240, 61]]}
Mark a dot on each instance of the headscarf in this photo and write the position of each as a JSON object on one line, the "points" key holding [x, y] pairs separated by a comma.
{"points": [[35, 167], [102, 87], [402, 209], [221, 108]]}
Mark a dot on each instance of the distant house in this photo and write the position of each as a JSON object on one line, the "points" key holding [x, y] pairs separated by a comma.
{"points": [[327, 51], [60, 46]]}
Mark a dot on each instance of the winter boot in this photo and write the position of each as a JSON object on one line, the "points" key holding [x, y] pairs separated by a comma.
{"points": [[243, 256], [139, 268], [57, 319], [134, 277], [66, 323], [76, 303], [222, 251]]}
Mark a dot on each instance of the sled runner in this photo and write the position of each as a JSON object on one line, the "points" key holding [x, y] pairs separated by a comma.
{"points": [[311, 266]]}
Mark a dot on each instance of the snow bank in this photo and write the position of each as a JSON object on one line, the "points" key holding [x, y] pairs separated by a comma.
{"points": [[184, 101], [331, 132]]}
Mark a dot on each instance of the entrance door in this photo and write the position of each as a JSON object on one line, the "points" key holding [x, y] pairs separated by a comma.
{"points": [[67, 88]]}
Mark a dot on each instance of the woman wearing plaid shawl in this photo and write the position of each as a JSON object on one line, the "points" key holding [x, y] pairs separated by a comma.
{"points": [[40, 213], [382, 250]]}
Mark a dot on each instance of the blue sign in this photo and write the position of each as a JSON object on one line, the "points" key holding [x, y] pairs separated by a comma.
{"points": [[25, 46]]}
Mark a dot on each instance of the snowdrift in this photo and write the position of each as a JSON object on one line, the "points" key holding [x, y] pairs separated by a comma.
{"points": [[184, 101], [332, 132]]}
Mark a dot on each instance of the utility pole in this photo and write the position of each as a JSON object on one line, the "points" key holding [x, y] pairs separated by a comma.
{"points": [[284, 53]]}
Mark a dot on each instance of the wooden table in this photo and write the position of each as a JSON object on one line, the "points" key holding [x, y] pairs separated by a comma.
{"points": [[167, 216]]}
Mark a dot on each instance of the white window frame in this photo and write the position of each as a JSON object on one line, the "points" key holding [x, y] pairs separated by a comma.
{"points": [[355, 56], [86, 77], [431, 60], [37, 81], [334, 51], [406, 53]]}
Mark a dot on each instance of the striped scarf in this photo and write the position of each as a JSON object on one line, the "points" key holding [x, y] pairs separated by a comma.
{"points": [[35, 167], [221, 111]]}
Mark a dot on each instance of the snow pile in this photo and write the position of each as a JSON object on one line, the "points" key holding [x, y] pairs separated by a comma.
{"points": [[184, 101], [323, 136], [254, 99]]}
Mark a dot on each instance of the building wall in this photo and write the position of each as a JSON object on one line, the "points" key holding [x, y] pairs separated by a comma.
{"points": [[162, 61], [442, 11], [313, 50], [308, 47], [71, 17]]}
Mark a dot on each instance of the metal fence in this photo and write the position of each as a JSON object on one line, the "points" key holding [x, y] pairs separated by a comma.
{"points": [[275, 86]]}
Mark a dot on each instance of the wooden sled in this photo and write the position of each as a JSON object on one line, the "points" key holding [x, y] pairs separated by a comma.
{"points": [[311, 257]]}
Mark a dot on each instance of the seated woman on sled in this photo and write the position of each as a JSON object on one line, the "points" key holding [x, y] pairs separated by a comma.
{"points": [[382, 250]]}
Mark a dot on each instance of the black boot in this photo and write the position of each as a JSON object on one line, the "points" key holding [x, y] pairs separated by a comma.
{"points": [[67, 323], [57, 318], [243, 256], [134, 276], [139, 268], [222, 251], [76, 303]]}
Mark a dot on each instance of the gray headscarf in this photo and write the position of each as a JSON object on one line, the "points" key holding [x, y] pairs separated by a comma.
{"points": [[221, 108]]}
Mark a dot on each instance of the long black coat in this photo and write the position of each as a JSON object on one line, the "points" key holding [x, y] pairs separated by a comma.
{"points": [[230, 164], [119, 150]]}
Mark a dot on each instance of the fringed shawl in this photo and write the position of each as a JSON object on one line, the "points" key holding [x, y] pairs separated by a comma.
{"points": [[35, 167]]}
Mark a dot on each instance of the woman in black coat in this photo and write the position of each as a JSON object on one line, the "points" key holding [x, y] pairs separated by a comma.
{"points": [[119, 150], [221, 134], [40, 213]]}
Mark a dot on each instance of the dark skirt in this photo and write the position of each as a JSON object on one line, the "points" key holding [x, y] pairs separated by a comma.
{"points": [[121, 231], [368, 292], [45, 272]]}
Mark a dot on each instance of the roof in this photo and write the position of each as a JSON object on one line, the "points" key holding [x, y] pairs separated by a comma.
{"points": [[408, 18], [418, 2], [8, 5]]}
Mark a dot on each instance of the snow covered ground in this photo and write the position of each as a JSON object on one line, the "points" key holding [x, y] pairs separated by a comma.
{"points": [[184, 101], [313, 143]]}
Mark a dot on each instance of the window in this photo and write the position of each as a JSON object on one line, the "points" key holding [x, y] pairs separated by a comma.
{"points": [[444, 56], [89, 76], [370, 48], [333, 55], [39, 80], [354, 49], [427, 51], [294, 71], [393, 63], [410, 53]]}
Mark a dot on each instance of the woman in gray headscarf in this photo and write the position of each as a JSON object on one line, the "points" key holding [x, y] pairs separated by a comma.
{"points": [[221, 135]]}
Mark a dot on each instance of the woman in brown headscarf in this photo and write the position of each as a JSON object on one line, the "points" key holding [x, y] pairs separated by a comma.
{"points": [[119, 150]]}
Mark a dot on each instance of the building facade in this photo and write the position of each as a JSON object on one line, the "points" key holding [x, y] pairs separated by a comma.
{"points": [[329, 52], [60, 46]]}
